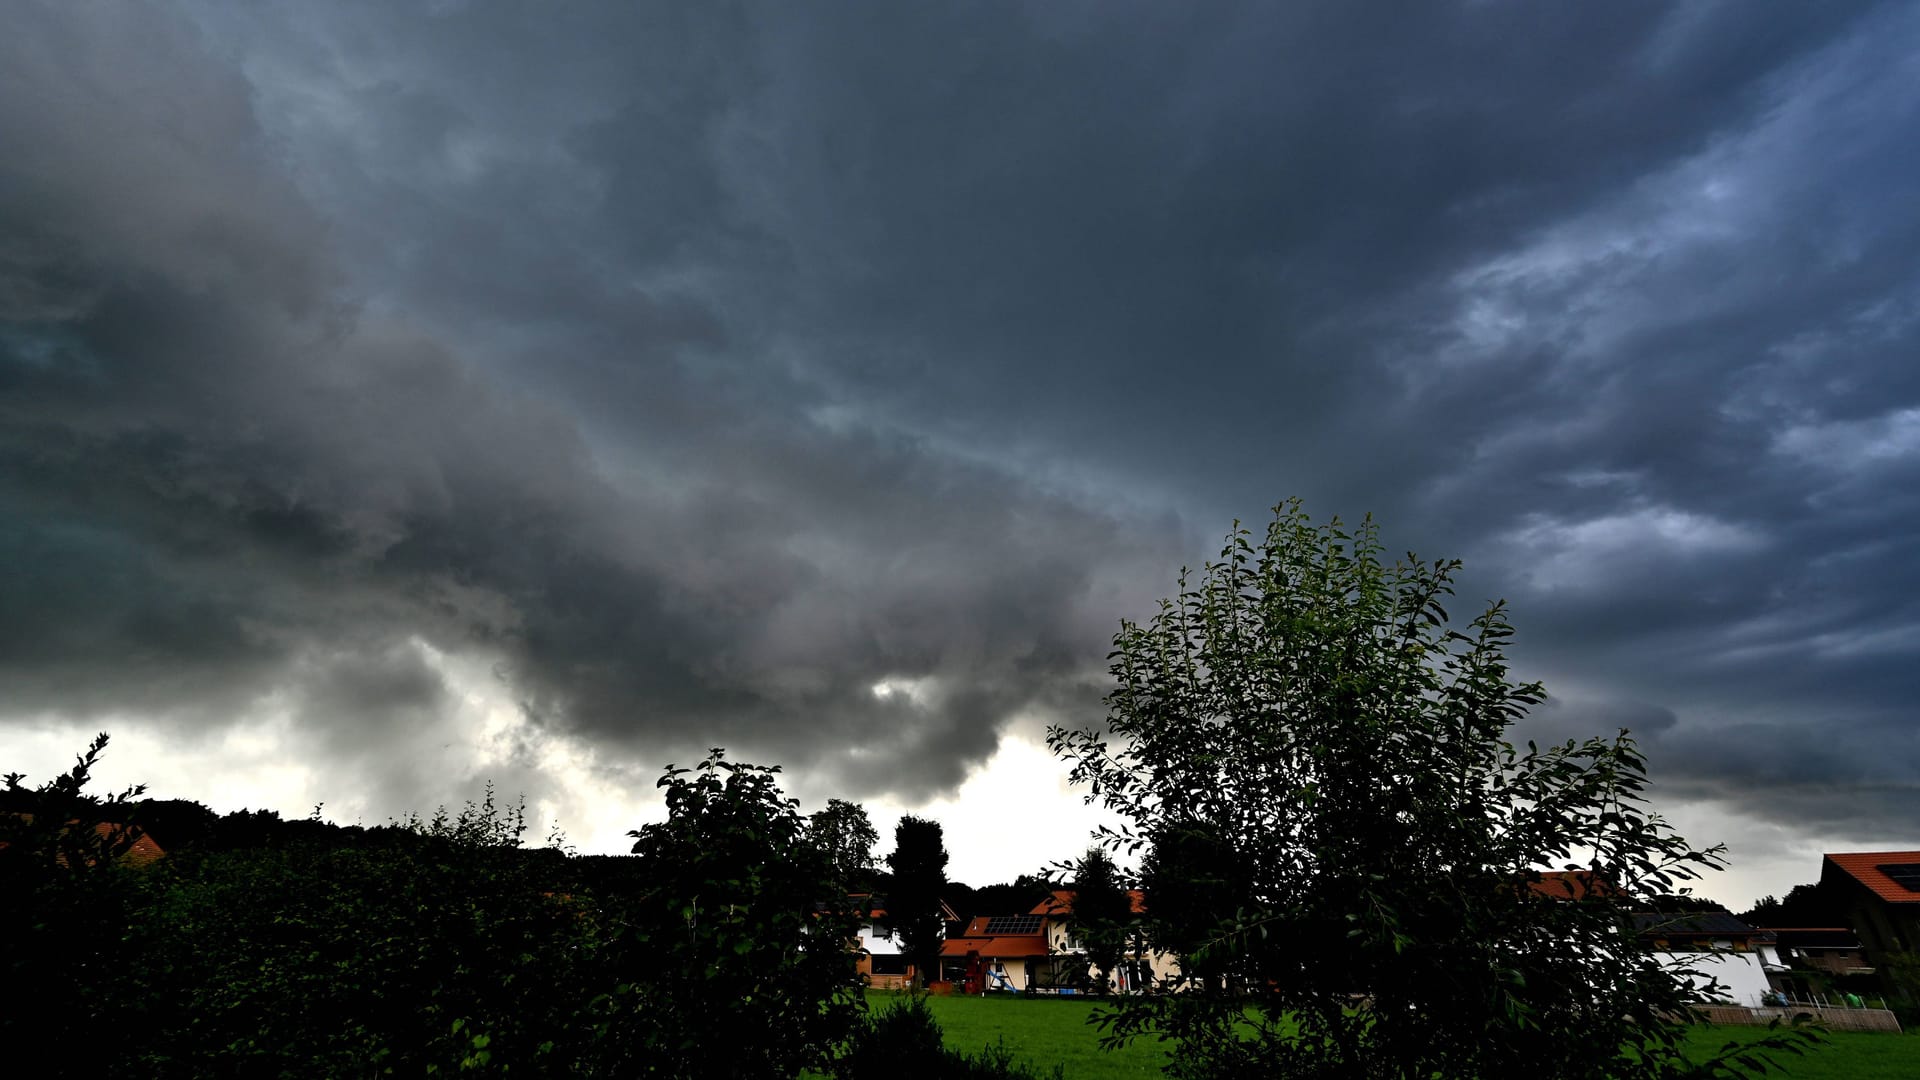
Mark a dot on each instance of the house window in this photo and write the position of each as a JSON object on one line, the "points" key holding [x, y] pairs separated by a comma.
{"points": [[889, 964]]}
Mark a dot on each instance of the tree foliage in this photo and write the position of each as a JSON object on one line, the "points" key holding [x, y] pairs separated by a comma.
{"points": [[387, 949], [747, 973], [261, 947], [1102, 912], [845, 835], [1339, 840], [919, 875], [1812, 904], [1001, 898]]}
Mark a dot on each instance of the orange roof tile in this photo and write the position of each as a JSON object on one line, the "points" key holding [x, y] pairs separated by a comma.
{"points": [[140, 852], [1573, 885], [1057, 902], [143, 849], [976, 939], [1864, 867]]}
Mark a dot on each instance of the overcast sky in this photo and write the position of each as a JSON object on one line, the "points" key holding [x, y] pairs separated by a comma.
{"points": [[397, 396]]}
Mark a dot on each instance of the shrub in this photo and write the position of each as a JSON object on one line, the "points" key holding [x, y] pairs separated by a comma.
{"points": [[904, 1039]]}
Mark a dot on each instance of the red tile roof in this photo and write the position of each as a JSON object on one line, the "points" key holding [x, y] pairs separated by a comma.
{"points": [[1573, 885], [978, 940], [1864, 867], [1003, 945], [140, 852]]}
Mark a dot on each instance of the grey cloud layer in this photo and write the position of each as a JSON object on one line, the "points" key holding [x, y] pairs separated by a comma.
{"points": [[233, 478], [704, 369]]}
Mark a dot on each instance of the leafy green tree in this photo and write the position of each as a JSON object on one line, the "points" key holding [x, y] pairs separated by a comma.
{"points": [[1102, 912], [844, 833], [919, 876], [1340, 839], [1195, 882], [737, 969]]}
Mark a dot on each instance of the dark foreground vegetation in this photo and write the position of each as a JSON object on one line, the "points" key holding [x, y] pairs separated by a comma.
{"points": [[1333, 835], [260, 947], [263, 947]]}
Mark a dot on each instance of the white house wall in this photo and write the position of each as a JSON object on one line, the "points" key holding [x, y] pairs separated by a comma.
{"points": [[1163, 966], [1741, 975], [879, 942]]}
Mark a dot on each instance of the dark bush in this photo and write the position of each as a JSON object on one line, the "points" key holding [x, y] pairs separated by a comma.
{"points": [[901, 1039], [904, 1039], [429, 947]]}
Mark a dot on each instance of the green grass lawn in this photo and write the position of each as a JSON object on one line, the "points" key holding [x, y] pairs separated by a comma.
{"points": [[1044, 1032], [1848, 1055]]}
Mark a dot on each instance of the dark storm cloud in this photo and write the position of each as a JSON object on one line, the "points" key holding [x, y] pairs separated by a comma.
{"points": [[700, 370], [230, 480], [1228, 218]]}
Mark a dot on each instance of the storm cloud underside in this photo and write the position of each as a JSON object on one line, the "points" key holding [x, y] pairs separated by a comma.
{"points": [[685, 375]]}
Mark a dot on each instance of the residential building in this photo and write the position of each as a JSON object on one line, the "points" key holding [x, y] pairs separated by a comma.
{"points": [[1834, 950], [1720, 949], [1042, 951], [1880, 891], [883, 962]]}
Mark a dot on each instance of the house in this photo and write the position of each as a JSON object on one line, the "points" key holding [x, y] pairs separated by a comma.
{"points": [[1141, 967], [1719, 948], [1881, 894], [883, 962], [1834, 950], [1000, 952], [1814, 956], [1041, 952]]}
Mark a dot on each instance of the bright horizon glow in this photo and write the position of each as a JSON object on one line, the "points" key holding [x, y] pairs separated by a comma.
{"points": [[1014, 815]]}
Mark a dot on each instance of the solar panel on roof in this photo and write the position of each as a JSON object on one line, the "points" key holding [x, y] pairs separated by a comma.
{"points": [[1014, 924], [1906, 874]]}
